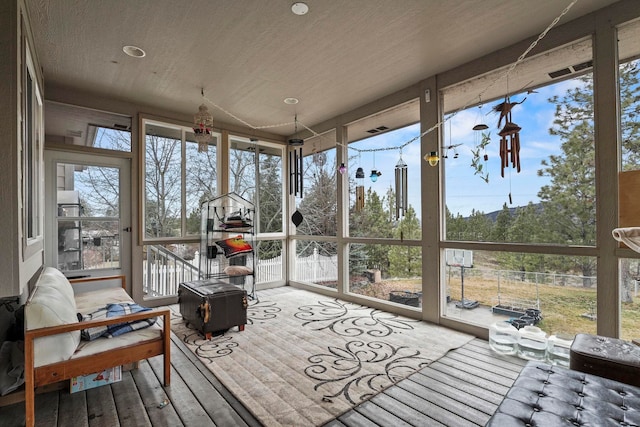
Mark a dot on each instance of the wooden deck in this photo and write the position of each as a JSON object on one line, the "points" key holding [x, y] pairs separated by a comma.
{"points": [[463, 388]]}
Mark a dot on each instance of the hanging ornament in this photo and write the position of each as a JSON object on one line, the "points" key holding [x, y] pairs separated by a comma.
{"points": [[374, 172], [432, 158], [509, 135], [359, 189], [479, 151], [203, 127], [342, 168], [401, 187]]}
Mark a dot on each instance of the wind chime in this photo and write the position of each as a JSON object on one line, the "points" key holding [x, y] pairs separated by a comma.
{"points": [[359, 188], [509, 136], [401, 187], [295, 172]]}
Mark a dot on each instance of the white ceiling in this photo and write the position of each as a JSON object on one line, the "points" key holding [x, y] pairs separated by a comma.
{"points": [[249, 55]]}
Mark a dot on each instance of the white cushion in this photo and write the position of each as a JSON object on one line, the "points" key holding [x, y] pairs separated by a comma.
{"points": [[51, 304], [88, 302], [53, 278]]}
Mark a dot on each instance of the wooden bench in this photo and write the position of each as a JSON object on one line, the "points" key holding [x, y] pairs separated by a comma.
{"points": [[52, 346]]}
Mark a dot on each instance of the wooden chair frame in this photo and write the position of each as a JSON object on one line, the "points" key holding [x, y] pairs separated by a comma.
{"points": [[65, 370]]}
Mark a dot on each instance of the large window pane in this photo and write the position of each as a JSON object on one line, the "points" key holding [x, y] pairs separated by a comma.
{"points": [[504, 285], [630, 298], [375, 206], [545, 190], [270, 197], [242, 167], [178, 178], [629, 73], [164, 267], [163, 166], [316, 262], [318, 205], [201, 179], [88, 217], [78, 126], [387, 272], [270, 265]]}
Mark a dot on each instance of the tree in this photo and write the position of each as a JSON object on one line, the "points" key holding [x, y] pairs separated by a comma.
{"points": [[500, 231], [270, 194], [478, 227], [201, 182], [569, 200], [524, 228], [319, 204], [242, 173], [405, 260], [455, 226], [162, 184], [630, 114]]}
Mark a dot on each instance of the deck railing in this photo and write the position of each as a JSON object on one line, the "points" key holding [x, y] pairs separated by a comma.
{"points": [[163, 271]]}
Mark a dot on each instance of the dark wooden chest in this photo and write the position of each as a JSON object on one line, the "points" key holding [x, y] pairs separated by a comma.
{"points": [[212, 306]]}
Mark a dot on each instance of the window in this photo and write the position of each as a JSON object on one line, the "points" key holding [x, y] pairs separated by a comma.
{"points": [[530, 182], [270, 262], [499, 286], [316, 262], [32, 156], [85, 127], [177, 179], [319, 203], [268, 179], [547, 195], [387, 272], [629, 84], [375, 207]]}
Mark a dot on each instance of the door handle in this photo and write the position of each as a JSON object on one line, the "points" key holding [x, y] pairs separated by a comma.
{"points": [[127, 229]]}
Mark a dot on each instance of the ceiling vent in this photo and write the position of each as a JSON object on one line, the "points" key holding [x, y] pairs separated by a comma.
{"points": [[74, 133], [378, 129], [572, 69]]}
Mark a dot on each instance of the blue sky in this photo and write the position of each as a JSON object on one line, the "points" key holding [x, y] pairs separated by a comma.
{"points": [[464, 191]]}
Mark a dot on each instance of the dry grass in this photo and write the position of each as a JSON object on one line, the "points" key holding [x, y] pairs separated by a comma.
{"points": [[564, 308]]}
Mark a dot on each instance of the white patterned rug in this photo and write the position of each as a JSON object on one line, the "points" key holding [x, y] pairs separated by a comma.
{"points": [[305, 358]]}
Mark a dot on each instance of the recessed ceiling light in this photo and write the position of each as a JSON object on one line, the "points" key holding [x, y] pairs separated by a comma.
{"points": [[299, 8], [134, 51], [291, 101]]}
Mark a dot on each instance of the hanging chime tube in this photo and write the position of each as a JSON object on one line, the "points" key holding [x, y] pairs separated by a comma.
{"points": [[300, 171], [359, 198], [404, 190], [401, 188], [398, 197]]}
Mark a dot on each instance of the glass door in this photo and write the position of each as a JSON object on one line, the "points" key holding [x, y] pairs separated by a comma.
{"points": [[88, 199]]}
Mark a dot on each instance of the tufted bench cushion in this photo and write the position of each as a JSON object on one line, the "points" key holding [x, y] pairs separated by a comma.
{"points": [[544, 395], [606, 357]]}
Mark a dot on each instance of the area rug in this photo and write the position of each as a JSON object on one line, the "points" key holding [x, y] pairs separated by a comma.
{"points": [[305, 358]]}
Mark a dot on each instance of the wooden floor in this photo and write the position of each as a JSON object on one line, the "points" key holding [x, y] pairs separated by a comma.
{"points": [[461, 389]]}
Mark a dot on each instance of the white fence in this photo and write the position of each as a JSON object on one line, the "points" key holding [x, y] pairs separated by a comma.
{"points": [[316, 268], [163, 280]]}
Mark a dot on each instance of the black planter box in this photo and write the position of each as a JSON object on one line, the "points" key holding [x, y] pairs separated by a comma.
{"points": [[507, 311]]}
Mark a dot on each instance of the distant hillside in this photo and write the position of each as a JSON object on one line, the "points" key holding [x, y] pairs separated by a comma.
{"points": [[494, 215]]}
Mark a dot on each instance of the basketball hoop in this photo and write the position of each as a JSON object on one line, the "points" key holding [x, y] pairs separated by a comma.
{"points": [[464, 259]]}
